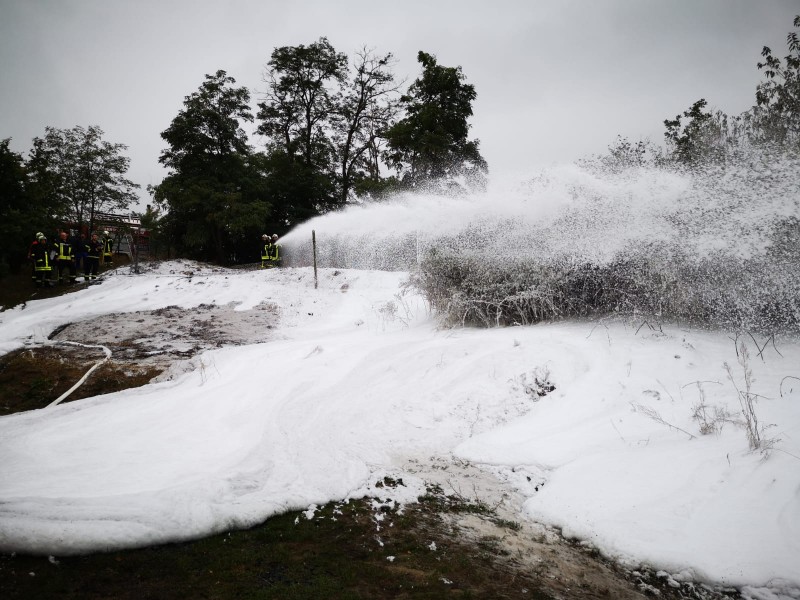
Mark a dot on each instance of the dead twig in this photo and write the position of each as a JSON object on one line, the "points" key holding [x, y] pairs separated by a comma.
{"points": [[780, 387], [652, 414]]}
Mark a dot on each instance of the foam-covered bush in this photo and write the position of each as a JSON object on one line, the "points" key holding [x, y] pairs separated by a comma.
{"points": [[650, 281]]}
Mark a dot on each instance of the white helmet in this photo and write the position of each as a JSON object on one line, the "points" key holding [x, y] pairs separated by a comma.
{"points": [[264, 236], [105, 233]]}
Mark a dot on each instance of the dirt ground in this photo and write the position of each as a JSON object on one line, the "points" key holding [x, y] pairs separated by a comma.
{"points": [[154, 344]]}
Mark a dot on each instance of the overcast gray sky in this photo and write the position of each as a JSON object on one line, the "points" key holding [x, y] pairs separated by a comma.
{"points": [[556, 79]]}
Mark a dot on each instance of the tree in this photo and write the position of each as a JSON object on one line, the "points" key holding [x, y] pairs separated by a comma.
{"points": [[79, 174], [323, 122], [299, 101], [19, 213], [150, 222], [366, 109], [777, 111], [303, 89], [430, 143], [214, 193], [701, 139], [298, 192]]}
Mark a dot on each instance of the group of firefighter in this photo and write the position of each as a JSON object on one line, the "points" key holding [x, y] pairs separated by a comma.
{"points": [[67, 255], [59, 261], [270, 251]]}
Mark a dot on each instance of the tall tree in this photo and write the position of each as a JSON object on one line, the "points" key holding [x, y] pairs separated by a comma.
{"points": [[366, 109], [301, 97], [303, 86], [80, 174], [777, 111], [214, 192], [430, 143], [20, 213]]}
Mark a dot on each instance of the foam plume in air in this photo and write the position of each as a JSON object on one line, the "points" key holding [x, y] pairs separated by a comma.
{"points": [[575, 212]]}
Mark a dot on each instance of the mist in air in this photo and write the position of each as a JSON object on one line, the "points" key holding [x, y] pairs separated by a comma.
{"points": [[575, 212]]}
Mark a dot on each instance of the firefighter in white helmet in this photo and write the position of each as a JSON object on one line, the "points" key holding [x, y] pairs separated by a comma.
{"points": [[275, 253], [266, 250]]}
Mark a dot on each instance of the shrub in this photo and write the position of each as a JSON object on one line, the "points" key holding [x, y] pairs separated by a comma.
{"points": [[649, 281]]}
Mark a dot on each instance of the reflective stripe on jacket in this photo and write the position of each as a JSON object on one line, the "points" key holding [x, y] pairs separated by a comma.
{"points": [[43, 262], [64, 251]]}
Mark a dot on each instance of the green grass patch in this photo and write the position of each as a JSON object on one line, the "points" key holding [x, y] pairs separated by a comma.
{"points": [[345, 551]]}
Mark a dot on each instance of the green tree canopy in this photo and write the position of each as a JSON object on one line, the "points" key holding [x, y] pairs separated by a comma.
{"points": [[214, 194], [303, 81], [777, 113], [367, 107], [295, 117], [323, 122], [78, 174], [701, 138], [19, 212], [430, 143]]}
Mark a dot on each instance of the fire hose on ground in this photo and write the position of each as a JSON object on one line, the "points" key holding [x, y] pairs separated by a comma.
{"points": [[86, 375]]}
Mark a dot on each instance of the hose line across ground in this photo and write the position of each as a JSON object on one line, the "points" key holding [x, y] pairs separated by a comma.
{"points": [[86, 376]]}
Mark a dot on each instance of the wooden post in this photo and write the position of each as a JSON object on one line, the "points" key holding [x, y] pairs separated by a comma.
{"points": [[314, 247], [135, 250]]}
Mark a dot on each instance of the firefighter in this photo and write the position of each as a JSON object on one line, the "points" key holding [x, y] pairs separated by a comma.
{"points": [[266, 251], [31, 249], [78, 242], [275, 253], [108, 248], [65, 260], [41, 262], [91, 264]]}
